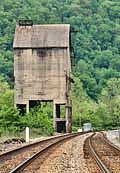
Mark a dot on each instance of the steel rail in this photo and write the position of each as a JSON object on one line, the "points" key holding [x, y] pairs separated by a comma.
{"points": [[27, 162], [6, 154], [95, 156], [110, 143]]}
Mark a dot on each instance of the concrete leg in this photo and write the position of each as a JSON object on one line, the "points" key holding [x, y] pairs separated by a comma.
{"points": [[54, 116], [27, 108], [68, 119], [15, 106]]}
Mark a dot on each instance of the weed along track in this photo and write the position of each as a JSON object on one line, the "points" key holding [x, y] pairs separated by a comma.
{"points": [[101, 155], [25, 155]]}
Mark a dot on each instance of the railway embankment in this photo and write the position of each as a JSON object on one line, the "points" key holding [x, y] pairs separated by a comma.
{"points": [[113, 136]]}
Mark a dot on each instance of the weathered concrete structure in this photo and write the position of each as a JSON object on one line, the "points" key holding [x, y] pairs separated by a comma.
{"points": [[42, 69]]}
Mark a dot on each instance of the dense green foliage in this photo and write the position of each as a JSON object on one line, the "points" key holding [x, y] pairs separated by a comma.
{"points": [[103, 115], [39, 117], [96, 46], [10, 119]]}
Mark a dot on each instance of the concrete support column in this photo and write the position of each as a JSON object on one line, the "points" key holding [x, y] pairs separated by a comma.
{"points": [[27, 108], [69, 118], [54, 116], [15, 106]]}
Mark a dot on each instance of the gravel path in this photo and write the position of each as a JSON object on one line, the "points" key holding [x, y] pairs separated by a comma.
{"points": [[67, 158]]}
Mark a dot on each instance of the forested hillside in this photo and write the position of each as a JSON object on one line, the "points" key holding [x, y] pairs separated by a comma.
{"points": [[95, 53]]}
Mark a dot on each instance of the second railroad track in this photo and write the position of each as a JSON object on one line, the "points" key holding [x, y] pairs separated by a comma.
{"points": [[101, 155]]}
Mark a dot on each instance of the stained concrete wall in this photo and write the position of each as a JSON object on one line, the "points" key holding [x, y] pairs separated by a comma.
{"points": [[40, 74], [42, 66]]}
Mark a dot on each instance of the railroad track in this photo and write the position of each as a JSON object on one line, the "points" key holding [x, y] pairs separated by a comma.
{"points": [[17, 160], [105, 155]]}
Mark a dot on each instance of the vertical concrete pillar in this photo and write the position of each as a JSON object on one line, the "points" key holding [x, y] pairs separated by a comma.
{"points": [[54, 116], [69, 118], [68, 103], [15, 106], [27, 107]]}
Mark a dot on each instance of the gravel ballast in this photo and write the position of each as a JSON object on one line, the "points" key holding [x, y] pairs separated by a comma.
{"points": [[67, 158]]}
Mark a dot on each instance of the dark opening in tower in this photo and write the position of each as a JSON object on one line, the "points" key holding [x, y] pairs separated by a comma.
{"points": [[60, 118]]}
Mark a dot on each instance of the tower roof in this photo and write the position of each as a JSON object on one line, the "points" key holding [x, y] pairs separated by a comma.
{"points": [[42, 36]]}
